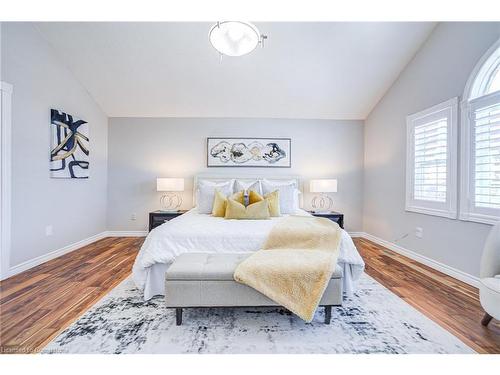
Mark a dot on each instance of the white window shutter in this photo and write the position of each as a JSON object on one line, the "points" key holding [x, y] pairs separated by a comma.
{"points": [[485, 156], [431, 176], [430, 160]]}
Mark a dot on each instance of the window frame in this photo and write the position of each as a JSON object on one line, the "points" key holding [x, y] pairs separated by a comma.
{"points": [[468, 211], [448, 208], [473, 97]]}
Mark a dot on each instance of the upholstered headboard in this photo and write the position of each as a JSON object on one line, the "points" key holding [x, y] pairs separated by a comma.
{"points": [[245, 178]]}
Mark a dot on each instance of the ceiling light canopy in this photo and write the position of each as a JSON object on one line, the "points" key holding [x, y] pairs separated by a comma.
{"points": [[235, 38]]}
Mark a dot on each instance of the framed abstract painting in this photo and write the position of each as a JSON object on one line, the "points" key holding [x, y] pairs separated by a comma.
{"points": [[249, 152], [69, 153]]}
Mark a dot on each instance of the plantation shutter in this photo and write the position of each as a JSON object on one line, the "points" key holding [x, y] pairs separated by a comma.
{"points": [[485, 119], [431, 160]]}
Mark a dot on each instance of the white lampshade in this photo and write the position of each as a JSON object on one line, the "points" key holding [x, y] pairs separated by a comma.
{"points": [[169, 184], [323, 186], [234, 38]]}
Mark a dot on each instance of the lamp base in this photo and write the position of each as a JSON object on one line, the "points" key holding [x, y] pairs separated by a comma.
{"points": [[322, 212], [322, 204], [170, 202]]}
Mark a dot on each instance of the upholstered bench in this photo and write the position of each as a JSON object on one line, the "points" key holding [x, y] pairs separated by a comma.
{"points": [[206, 280]]}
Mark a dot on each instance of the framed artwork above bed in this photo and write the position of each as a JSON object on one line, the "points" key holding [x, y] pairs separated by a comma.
{"points": [[249, 152]]}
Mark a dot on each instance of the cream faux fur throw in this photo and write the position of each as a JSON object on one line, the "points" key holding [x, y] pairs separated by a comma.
{"points": [[296, 263]]}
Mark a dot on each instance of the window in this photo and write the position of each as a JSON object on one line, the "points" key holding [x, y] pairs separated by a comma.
{"points": [[431, 179], [494, 82], [480, 148]]}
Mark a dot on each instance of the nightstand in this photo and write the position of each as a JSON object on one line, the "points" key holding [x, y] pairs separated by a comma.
{"points": [[334, 216], [157, 218]]}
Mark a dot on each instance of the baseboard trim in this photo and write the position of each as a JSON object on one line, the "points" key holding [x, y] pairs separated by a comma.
{"points": [[441, 267], [356, 234], [438, 266], [14, 270], [124, 233]]}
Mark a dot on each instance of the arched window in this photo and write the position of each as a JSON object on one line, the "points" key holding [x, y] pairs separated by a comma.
{"points": [[494, 83], [480, 141]]}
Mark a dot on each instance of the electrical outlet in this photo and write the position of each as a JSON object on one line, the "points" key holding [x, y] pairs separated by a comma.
{"points": [[133, 217], [419, 232], [49, 230]]}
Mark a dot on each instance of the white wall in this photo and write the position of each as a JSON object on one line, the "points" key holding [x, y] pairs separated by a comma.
{"points": [[141, 149], [75, 208], [438, 72]]}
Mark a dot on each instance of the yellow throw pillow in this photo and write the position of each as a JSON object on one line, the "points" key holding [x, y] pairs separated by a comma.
{"points": [[255, 211], [273, 199], [220, 202], [239, 197], [254, 197]]}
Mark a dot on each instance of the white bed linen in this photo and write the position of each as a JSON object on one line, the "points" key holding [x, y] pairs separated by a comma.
{"points": [[195, 232]]}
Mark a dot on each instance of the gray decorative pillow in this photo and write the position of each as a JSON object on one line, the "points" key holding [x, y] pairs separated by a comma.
{"points": [[205, 194]]}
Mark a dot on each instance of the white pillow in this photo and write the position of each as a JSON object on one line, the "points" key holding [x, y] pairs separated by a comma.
{"points": [[205, 194], [296, 199], [247, 186], [288, 194]]}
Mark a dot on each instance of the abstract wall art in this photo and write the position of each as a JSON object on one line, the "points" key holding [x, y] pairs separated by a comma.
{"points": [[69, 153], [249, 152]]}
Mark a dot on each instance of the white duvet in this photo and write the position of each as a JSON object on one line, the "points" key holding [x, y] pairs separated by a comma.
{"points": [[195, 232]]}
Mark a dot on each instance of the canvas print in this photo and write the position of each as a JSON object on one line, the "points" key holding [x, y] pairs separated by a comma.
{"points": [[249, 152], [69, 154]]}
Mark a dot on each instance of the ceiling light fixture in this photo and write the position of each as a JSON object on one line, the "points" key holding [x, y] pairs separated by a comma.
{"points": [[235, 38]]}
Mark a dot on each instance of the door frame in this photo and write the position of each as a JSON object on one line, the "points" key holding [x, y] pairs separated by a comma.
{"points": [[5, 177]]}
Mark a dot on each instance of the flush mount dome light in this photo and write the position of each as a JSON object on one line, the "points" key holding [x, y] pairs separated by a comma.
{"points": [[235, 38]]}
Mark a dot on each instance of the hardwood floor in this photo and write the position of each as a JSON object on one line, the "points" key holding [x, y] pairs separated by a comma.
{"points": [[38, 304], [449, 302]]}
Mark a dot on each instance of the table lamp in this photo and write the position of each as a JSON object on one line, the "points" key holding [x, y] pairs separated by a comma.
{"points": [[171, 200], [323, 202]]}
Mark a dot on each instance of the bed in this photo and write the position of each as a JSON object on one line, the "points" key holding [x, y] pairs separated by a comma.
{"points": [[197, 232]]}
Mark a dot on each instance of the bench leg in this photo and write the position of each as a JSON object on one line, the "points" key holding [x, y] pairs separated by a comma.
{"points": [[486, 319], [328, 314], [178, 316]]}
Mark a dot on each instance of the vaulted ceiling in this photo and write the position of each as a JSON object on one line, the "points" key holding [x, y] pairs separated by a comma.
{"points": [[306, 70]]}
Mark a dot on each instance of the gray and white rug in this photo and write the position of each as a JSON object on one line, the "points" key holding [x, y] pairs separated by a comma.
{"points": [[374, 320]]}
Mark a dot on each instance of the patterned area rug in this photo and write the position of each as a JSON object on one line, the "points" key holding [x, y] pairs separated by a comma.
{"points": [[374, 320]]}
